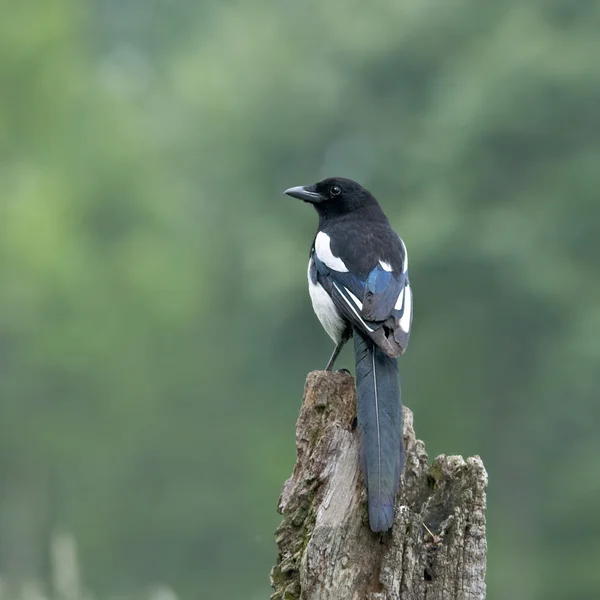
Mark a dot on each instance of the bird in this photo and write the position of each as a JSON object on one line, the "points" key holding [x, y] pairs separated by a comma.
{"points": [[359, 287]]}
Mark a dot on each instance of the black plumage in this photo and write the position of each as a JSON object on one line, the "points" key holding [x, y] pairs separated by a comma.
{"points": [[359, 286]]}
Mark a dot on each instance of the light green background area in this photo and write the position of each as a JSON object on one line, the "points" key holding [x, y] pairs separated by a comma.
{"points": [[155, 324]]}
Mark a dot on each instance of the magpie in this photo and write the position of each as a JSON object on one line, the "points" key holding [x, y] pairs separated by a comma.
{"points": [[359, 287]]}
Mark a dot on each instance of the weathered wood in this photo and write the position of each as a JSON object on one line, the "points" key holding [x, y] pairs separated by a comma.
{"points": [[436, 549]]}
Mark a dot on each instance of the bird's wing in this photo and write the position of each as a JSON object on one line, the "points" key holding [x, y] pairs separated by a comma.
{"points": [[382, 289], [379, 303]]}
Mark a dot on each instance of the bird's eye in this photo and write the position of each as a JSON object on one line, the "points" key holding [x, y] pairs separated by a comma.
{"points": [[335, 190]]}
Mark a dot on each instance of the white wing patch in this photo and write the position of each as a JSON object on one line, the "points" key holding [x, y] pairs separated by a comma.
{"points": [[385, 266], [325, 255], [352, 307], [405, 261], [407, 314], [354, 298], [400, 300]]}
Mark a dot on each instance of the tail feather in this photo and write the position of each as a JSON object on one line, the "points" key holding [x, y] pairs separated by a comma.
{"points": [[379, 412]]}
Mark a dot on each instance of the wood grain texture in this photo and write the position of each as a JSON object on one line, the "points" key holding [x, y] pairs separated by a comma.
{"points": [[437, 547]]}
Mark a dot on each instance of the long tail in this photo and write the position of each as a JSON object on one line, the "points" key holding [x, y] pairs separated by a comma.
{"points": [[379, 411]]}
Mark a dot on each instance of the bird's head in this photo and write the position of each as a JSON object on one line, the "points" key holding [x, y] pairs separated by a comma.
{"points": [[334, 195]]}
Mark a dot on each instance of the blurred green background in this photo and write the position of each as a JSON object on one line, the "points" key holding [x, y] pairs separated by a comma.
{"points": [[155, 324]]}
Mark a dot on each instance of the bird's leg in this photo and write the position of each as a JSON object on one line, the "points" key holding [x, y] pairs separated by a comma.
{"points": [[338, 348], [335, 354]]}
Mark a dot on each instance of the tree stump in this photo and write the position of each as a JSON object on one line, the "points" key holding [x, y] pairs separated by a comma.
{"points": [[436, 548]]}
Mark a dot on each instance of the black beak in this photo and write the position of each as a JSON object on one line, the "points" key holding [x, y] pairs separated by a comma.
{"points": [[303, 193]]}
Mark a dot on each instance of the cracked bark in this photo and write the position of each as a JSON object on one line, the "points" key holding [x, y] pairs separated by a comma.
{"points": [[436, 549]]}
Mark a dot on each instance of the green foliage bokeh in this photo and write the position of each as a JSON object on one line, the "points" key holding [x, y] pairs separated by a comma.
{"points": [[155, 327]]}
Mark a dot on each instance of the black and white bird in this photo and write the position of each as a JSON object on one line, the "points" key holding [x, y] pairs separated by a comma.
{"points": [[358, 284]]}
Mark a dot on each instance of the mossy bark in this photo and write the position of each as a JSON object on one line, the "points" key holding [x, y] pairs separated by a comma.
{"points": [[435, 550]]}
